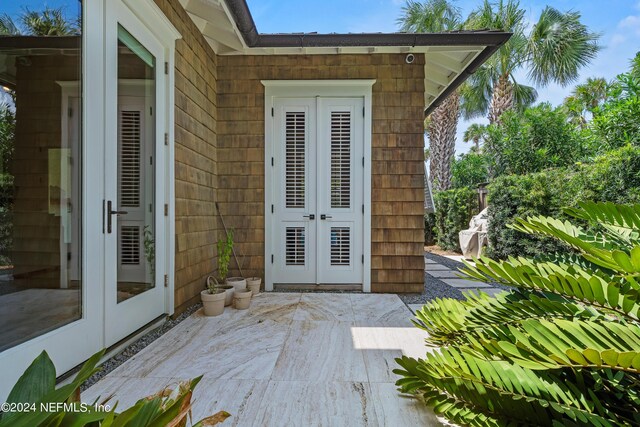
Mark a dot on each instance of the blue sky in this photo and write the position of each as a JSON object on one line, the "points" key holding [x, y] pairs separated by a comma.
{"points": [[617, 20]]}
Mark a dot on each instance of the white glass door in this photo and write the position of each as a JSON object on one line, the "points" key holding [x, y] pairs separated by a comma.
{"points": [[318, 203], [133, 206]]}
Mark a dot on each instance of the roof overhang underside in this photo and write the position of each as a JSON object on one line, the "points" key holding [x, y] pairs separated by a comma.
{"points": [[450, 58]]}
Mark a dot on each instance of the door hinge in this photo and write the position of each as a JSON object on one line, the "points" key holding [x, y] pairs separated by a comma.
{"points": [[166, 68], [166, 209], [271, 208], [272, 161], [70, 112], [363, 209], [362, 111], [363, 258], [166, 139], [271, 258], [272, 112], [166, 281], [363, 162]]}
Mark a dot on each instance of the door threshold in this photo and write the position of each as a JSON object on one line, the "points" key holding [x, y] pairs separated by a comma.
{"points": [[308, 287]]}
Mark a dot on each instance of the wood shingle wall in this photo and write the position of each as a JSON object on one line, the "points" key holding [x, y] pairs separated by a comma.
{"points": [[397, 155], [195, 157]]}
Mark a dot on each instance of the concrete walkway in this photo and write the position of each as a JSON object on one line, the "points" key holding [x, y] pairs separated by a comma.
{"points": [[292, 359]]}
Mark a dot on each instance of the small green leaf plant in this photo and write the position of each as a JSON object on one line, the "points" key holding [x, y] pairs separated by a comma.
{"points": [[225, 248], [561, 349], [48, 406], [150, 251]]}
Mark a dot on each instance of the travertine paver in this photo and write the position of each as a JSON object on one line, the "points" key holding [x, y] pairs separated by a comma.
{"points": [[465, 284], [291, 359]]}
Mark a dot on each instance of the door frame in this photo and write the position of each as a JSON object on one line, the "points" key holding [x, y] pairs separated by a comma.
{"points": [[75, 342], [356, 88]]}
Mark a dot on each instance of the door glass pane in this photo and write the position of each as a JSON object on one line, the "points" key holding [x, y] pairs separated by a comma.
{"points": [[40, 167], [136, 136]]}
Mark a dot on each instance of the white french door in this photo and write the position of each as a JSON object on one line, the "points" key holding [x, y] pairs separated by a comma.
{"points": [[318, 205], [134, 179]]}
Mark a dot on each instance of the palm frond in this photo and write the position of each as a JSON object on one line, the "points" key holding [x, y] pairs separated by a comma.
{"points": [[559, 45]]}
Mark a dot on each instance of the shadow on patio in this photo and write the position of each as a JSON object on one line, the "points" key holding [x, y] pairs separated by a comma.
{"points": [[292, 359]]}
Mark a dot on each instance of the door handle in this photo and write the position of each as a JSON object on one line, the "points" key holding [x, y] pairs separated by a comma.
{"points": [[110, 213], [323, 216], [310, 216]]}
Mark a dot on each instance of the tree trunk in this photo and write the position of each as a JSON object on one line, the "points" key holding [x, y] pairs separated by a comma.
{"points": [[502, 99], [442, 141]]}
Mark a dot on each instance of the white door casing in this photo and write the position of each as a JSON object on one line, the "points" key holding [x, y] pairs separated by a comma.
{"points": [[317, 191]]}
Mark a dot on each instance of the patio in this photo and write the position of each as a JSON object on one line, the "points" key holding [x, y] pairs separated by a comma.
{"points": [[292, 359]]}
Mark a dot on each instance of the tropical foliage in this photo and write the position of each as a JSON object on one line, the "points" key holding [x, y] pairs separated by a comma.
{"points": [[561, 349], [614, 177], [168, 407], [469, 170], [540, 137], [553, 51], [454, 209], [48, 22]]}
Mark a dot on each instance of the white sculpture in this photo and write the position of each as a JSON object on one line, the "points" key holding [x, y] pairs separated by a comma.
{"points": [[475, 238]]}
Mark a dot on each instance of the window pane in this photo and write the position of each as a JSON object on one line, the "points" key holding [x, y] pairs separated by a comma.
{"points": [[40, 167], [136, 136]]}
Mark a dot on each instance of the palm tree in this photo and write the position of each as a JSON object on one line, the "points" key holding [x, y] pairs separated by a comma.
{"points": [[555, 49], [585, 98], [475, 132], [48, 22], [437, 16]]}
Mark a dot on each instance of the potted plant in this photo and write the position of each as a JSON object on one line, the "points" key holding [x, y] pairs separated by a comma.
{"points": [[228, 290], [225, 248], [253, 284], [213, 298], [241, 299]]}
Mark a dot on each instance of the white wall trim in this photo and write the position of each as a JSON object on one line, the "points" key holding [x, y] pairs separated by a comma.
{"points": [[148, 11], [311, 88]]}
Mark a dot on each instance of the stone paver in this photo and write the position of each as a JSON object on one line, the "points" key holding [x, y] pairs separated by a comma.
{"points": [[415, 307], [445, 274], [291, 359], [436, 267], [464, 283]]}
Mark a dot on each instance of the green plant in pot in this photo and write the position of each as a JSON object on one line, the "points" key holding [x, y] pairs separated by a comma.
{"points": [[225, 249], [213, 298]]}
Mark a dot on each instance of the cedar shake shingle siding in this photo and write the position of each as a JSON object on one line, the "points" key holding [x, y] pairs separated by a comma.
{"points": [[397, 155], [195, 157]]}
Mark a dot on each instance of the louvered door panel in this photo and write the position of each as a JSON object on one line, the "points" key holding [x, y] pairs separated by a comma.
{"points": [[340, 159], [294, 253], [130, 158], [340, 190]]}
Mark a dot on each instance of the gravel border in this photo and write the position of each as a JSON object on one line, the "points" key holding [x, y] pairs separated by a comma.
{"points": [[112, 363]]}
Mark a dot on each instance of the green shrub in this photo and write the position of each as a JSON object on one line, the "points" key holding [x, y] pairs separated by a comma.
{"points": [[538, 138], [469, 170], [454, 209], [614, 177], [562, 349], [429, 229]]}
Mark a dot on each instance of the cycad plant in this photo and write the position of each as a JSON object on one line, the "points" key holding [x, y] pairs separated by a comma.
{"points": [[561, 349]]}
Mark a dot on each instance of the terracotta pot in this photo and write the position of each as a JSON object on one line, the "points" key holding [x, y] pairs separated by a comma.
{"points": [[242, 299], [228, 294], [253, 284], [237, 282], [213, 304]]}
